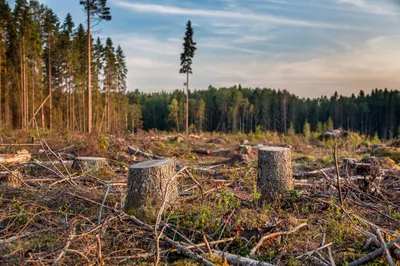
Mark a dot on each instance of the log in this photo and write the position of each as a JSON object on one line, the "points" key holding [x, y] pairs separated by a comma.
{"points": [[275, 175], [147, 183], [224, 153], [88, 164], [204, 151], [21, 157]]}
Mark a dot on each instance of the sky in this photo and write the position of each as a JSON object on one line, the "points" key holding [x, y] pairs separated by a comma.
{"points": [[309, 47]]}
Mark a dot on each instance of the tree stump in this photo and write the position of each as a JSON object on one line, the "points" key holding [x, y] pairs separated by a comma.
{"points": [[87, 164], [149, 184], [275, 172]]}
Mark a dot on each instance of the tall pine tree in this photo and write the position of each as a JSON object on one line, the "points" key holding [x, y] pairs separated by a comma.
{"points": [[189, 47], [97, 10]]}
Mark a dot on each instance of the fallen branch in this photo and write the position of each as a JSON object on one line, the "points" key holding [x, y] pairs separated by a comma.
{"points": [[134, 151], [239, 260], [71, 237], [384, 246], [19, 236], [262, 240], [339, 187], [102, 205], [315, 250], [210, 243], [375, 254]]}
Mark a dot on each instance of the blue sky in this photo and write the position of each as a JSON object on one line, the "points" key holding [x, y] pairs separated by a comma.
{"points": [[309, 47]]}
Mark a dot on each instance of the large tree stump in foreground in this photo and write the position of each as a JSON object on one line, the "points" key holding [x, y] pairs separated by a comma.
{"points": [[275, 172], [149, 184]]}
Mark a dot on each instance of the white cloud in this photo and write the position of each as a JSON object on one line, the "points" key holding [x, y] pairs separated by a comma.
{"points": [[364, 66], [371, 7], [266, 18]]}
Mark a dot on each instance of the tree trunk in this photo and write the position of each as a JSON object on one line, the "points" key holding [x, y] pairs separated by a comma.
{"points": [[6, 101], [89, 81], [33, 91], [1, 80], [133, 126], [50, 93], [275, 172], [187, 103], [149, 184], [25, 89]]}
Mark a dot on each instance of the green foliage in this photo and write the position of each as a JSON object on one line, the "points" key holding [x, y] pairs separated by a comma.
{"points": [[329, 124], [320, 128], [189, 48], [103, 142], [256, 195], [258, 134], [306, 129], [375, 140], [173, 116], [227, 201], [291, 130], [394, 213], [392, 153]]}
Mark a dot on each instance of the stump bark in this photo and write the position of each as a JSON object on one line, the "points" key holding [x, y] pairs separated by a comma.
{"points": [[87, 164], [275, 172], [149, 184]]}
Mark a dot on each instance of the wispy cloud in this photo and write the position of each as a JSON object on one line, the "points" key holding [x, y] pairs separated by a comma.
{"points": [[174, 10], [371, 7]]}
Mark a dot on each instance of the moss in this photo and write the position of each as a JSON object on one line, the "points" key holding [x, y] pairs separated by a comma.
{"points": [[146, 215]]}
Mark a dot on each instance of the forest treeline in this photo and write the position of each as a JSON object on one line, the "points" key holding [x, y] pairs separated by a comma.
{"points": [[238, 109], [44, 76], [44, 71]]}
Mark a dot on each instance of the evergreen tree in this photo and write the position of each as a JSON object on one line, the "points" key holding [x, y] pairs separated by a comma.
{"points": [[97, 10], [306, 129], [189, 48], [5, 19], [110, 81], [50, 30], [173, 116], [121, 73]]}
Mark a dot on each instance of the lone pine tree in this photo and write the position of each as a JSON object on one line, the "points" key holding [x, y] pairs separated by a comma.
{"points": [[189, 47], [97, 10]]}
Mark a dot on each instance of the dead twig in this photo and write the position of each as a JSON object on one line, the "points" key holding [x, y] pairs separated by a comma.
{"points": [[101, 261], [264, 238], [102, 205], [207, 245], [331, 257], [375, 254], [315, 250], [335, 153], [16, 176], [159, 216], [384, 246], [71, 237]]}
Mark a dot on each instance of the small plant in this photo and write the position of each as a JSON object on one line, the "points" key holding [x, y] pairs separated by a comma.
{"points": [[103, 142], [258, 134], [395, 214], [256, 195]]}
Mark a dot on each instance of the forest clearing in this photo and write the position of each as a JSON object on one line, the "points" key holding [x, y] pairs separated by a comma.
{"points": [[57, 211], [98, 167]]}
